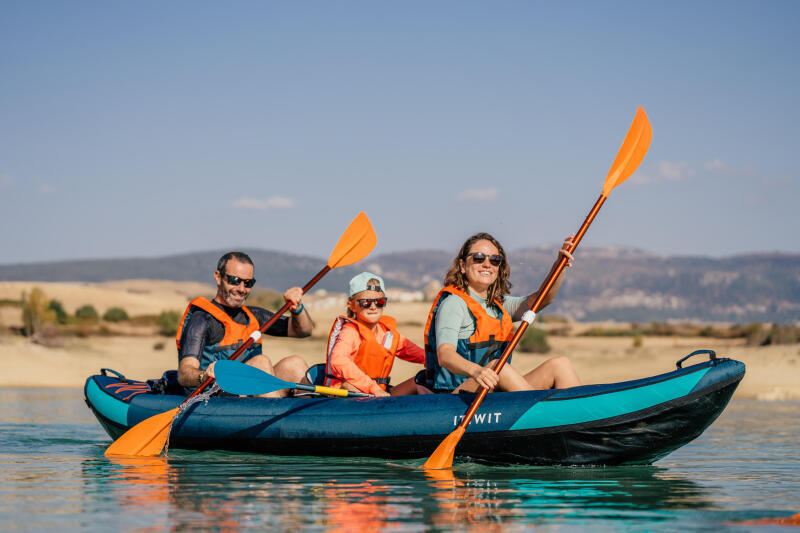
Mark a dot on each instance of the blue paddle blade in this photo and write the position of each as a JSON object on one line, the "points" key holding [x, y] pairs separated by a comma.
{"points": [[238, 378]]}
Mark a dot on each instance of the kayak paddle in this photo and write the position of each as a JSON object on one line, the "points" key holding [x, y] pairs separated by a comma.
{"points": [[630, 155], [238, 378], [148, 437]]}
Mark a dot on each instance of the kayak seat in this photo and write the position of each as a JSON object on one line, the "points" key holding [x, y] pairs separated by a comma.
{"points": [[316, 374], [167, 384]]}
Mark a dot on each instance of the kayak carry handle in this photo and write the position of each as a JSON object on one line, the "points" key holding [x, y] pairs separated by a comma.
{"points": [[712, 355], [106, 371]]}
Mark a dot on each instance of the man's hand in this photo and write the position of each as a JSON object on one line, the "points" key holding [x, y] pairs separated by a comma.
{"points": [[210, 371], [295, 297]]}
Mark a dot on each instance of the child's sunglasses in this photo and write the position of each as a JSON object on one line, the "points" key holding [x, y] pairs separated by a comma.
{"points": [[480, 257], [366, 303], [236, 280]]}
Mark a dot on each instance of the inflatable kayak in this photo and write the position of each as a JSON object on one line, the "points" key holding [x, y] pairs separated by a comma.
{"points": [[632, 422]]}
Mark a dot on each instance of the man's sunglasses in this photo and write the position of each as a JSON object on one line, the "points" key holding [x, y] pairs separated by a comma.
{"points": [[480, 257], [236, 280], [366, 303]]}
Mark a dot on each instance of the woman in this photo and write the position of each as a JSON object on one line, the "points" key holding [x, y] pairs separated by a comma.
{"points": [[362, 345], [470, 324]]}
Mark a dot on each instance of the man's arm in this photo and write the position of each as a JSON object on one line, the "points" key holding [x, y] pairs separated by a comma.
{"points": [[189, 373], [193, 340]]}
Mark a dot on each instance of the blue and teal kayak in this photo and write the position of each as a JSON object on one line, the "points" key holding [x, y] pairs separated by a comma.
{"points": [[632, 422]]}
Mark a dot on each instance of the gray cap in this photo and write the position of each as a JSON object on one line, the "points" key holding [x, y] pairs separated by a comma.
{"points": [[359, 283]]}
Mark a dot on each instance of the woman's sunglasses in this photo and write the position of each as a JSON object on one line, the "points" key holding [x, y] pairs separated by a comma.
{"points": [[366, 303], [480, 257], [236, 280]]}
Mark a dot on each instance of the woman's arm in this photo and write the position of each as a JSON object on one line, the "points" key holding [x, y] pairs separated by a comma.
{"points": [[554, 289]]}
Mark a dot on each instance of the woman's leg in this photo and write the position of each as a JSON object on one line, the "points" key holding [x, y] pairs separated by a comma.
{"points": [[555, 373], [510, 380]]}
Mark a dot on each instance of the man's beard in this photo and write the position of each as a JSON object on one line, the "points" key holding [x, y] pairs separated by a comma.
{"points": [[231, 299]]}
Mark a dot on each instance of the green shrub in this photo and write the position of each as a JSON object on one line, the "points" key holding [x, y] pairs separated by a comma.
{"points": [[87, 313], [115, 314], [168, 322], [534, 341], [35, 312], [158, 346], [58, 308]]}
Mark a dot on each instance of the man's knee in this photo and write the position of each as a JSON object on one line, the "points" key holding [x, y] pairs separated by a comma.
{"points": [[294, 362], [292, 368], [262, 362]]}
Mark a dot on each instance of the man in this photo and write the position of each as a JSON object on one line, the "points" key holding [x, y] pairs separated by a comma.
{"points": [[211, 331]]}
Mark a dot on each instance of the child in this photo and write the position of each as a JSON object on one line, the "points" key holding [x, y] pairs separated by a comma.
{"points": [[362, 346]]}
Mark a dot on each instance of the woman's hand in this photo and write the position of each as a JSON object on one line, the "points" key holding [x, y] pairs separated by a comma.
{"points": [[486, 377], [565, 249]]}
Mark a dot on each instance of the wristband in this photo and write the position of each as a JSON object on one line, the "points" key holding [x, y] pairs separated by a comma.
{"points": [[297, 311]]}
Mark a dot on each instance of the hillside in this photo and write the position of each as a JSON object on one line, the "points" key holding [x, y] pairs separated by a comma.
{"points": [[605, 283]]}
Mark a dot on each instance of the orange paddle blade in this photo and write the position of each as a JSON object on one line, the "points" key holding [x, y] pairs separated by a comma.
{"points": [[442, 456], [145, 439], [631, 153], [355, 244]]}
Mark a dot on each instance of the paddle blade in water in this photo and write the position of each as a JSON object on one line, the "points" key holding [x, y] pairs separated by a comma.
{"points": [[356, 243], [442, 456], [239, 378], [145, 439], [631, 153]]}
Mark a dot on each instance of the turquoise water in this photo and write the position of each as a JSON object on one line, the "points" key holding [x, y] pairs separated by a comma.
{"points": [[53, 476]]}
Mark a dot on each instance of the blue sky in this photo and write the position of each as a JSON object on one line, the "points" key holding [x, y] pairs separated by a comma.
{"points": [[151, 128]]}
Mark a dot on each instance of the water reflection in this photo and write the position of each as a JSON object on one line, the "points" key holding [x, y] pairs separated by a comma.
{"points": [[545, 495], [211, 490]]}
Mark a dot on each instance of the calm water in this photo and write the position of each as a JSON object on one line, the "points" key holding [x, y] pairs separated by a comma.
{"points": [[53, 476]]}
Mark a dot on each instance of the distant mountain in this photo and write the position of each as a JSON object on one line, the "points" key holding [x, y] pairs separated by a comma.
{"points": [[605, 283]]}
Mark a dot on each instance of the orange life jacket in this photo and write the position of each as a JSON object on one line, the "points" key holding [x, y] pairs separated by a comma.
{"points": [[235, 333], [373, 358], [487, 342]]}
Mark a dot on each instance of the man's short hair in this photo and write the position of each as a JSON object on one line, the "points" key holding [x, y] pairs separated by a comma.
{"points": [[239, 256]]}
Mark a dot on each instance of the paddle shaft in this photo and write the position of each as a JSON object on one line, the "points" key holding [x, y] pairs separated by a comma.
{"points": [[543, 291], [344, 393], [274, 318]]}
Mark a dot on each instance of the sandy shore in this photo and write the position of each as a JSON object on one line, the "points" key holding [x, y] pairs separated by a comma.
{"points": [[773, 372]]}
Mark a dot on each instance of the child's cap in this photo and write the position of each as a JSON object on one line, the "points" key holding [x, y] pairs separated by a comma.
{"points": [[359, 283]]}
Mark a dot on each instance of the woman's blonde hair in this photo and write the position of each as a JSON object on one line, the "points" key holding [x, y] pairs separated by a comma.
{"points": [[350, 313], [501, 285]]}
